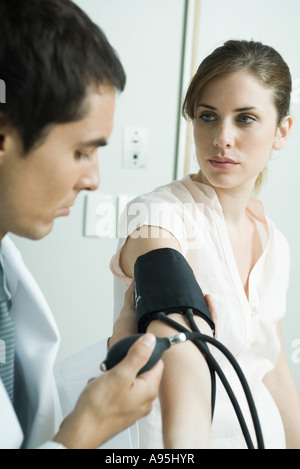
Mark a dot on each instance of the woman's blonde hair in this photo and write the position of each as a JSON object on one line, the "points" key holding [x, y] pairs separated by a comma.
{"points": [[262, 61]]}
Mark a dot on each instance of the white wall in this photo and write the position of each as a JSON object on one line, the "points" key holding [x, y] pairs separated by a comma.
{"points": [[277, 24], [71, 269]]}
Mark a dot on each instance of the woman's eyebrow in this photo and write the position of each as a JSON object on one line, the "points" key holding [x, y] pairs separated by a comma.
{"points": [[247, 108], [207, 106], [240, 109]]}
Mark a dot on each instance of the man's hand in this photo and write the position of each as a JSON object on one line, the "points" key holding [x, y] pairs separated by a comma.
{"points": [[126, 323], [114, 401]]}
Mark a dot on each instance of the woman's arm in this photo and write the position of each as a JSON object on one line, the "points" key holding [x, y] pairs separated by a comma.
{"points": [[282, 387], [185, 391]]}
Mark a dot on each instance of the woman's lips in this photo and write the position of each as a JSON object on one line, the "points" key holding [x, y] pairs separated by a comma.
{"points": [[222, 163]]}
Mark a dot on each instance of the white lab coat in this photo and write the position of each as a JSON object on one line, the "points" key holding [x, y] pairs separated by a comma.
{"points": [[37, 341], [40, 401]]}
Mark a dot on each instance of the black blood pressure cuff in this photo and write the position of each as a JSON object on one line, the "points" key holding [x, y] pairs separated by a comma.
{"points": [[164, 282]]}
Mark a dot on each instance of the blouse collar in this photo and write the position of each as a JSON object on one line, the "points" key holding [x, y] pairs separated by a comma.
{"points": [[207, 195]]}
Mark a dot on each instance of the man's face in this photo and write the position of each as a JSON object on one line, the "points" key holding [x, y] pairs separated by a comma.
{"points": [[43, 185]]}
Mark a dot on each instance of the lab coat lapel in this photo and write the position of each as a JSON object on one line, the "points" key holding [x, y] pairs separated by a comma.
{"points": [[37, 341]]}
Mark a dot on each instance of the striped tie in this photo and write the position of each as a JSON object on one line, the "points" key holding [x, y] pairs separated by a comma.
{"points": [[7, 341]]}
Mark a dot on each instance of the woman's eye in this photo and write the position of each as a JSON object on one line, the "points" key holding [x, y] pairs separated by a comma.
{"points": [[246, 119], [207, 117]]}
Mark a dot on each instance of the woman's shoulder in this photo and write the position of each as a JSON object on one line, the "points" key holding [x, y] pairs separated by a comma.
{"points": [[177, 191]]}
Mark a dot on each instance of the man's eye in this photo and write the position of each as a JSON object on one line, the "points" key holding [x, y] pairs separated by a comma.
{"points": [[79, 155]]}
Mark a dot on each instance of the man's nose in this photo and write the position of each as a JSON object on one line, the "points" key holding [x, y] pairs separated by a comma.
{"points": [[90, 177]]}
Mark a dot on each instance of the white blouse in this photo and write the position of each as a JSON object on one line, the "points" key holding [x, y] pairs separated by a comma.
{"points": [[191, 211]]}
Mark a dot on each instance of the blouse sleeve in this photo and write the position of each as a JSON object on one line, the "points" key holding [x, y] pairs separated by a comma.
{"points": [[160, 209]]}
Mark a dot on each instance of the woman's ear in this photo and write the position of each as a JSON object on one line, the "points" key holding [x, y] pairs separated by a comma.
{"points": [[282, 133]]}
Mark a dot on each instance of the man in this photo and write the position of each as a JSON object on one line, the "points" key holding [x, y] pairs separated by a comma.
{"points": [[61, 76]]}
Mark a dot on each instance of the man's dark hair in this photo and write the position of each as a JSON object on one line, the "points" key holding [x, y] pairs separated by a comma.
{"points": [[51, 55]]}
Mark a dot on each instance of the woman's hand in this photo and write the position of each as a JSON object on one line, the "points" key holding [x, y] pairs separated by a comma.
{"points": [[212, 310]]}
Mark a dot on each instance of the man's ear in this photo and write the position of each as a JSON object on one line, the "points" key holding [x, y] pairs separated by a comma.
{"points": [[9, 139], [282, 133], [2, 144], [1, 140], [3, 131]]}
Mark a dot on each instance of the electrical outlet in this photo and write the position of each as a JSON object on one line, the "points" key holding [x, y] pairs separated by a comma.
{"points": [[135, 147]]}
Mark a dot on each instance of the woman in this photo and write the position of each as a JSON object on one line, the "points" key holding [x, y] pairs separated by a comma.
{"points": [[238, 102]]}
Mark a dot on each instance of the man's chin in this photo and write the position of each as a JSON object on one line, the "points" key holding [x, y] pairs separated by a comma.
{"points": [[34, 233]]}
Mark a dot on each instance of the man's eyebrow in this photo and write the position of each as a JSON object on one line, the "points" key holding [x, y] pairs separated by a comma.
{"points": [[240, 109], [98, 142]]}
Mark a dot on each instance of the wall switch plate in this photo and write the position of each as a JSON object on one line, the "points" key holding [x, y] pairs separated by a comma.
{"points": [[100, 216], [135, 147]]}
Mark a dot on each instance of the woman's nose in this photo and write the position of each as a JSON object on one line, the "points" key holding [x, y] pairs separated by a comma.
{"points": [[224, 137]]}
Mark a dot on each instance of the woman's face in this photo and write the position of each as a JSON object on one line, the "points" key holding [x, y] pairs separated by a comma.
{"points": [[235, 129]]}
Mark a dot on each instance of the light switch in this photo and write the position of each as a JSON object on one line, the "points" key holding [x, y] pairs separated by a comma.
{"points": [[100, 216]]}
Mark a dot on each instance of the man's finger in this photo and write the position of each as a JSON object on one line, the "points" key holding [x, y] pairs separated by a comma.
{"points": [[139, 353]]}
